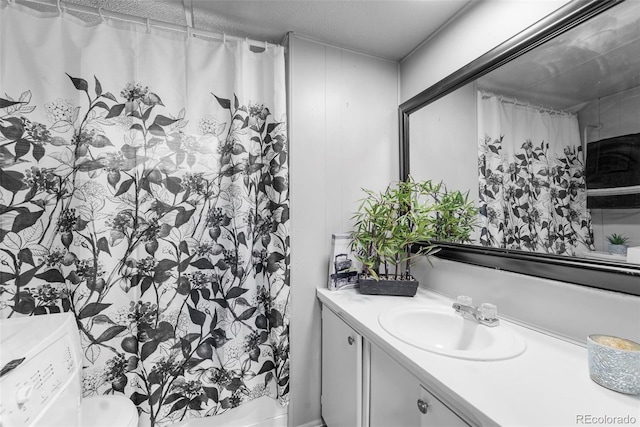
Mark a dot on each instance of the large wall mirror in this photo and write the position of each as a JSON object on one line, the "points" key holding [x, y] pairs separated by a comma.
{"points": [[544, 132]]}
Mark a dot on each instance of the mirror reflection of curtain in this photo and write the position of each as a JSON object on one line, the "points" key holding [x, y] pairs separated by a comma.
{"points": [[144, 187], [531, 179]]}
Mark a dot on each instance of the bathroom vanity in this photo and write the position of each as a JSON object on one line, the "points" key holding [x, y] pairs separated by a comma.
{"points": [[372, 378]]}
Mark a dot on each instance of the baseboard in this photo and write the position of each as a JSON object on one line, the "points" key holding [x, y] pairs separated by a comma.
{"points": [[314, 423]]}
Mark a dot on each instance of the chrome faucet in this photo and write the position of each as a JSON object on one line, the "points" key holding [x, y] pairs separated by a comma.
{"points": [[485, 314]]}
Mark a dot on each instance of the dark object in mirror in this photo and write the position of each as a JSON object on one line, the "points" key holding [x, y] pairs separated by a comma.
{"points": [[605, 274], [613, 165]]}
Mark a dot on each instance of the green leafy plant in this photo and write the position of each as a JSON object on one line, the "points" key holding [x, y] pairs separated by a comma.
{"points": [[388, 224], [617, 239]]}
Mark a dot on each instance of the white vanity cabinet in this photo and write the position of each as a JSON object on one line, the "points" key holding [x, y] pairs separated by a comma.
{"points": [[364, 387], [341, 372], [397, 398], [395, 376]]}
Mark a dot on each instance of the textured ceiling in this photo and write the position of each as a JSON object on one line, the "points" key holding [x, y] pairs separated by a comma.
{"points": [[389, 29]]}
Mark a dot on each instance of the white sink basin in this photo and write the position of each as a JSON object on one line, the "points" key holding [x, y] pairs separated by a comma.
{"points": [[444, 332]]}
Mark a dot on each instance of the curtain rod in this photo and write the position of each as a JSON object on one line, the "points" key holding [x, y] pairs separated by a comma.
{"points": [[514, 101], [63, 5]]}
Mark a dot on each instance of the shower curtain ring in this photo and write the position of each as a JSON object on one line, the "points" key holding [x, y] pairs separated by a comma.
{"points": [[148, 25], [101, 15], [224, 38], [59, 7], [266, 46]]}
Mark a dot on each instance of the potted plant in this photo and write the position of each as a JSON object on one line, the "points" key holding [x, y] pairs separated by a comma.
{"points": [[388, 224], [617, 244]]}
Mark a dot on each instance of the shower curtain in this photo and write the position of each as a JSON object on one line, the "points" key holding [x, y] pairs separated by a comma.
{"points": [[144, 187], [531, 179]]}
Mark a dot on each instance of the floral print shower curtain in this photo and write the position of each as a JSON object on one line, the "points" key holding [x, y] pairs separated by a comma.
{"points": [[532, 188], [144, 187]]}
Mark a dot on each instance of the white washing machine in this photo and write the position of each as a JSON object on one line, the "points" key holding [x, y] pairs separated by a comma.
{"points": [[41, 378]]}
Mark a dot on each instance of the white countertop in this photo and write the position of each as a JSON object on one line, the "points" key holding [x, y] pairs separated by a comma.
{"points": [[547, 385]]}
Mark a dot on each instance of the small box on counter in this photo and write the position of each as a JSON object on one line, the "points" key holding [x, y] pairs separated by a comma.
{"points": [[633, 254]]}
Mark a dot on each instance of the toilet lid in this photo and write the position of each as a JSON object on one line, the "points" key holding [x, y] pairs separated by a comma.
{"points": [[108, 411]]}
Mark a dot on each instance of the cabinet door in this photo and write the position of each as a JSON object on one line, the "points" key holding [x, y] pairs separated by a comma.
{"points": [[398, 399], [435, 413], [341, 372]]}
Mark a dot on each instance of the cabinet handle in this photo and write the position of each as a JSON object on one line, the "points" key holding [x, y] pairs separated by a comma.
{"points": [[422, 406], [350, 340]]}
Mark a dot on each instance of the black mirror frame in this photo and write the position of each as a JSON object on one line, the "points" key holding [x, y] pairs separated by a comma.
{"points": [[613, 276]]}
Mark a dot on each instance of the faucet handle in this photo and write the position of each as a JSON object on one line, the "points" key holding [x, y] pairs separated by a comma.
{"points": [[464, 300], [488, 311]]}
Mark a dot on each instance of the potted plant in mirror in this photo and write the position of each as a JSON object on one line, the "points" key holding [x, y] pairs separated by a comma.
{"points": [[389, 224], [617, 244]]}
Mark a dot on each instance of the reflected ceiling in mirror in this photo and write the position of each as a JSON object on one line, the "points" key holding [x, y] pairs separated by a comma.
{"points": [[584, 62], [597, 59]]}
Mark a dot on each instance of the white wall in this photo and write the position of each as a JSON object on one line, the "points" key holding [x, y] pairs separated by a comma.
{"points": [[480, 28], [450, 125], [557, 308], [560, 308], [343, 136]]}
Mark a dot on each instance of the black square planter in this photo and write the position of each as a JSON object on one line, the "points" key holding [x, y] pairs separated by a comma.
{"points": [[401, 288]]}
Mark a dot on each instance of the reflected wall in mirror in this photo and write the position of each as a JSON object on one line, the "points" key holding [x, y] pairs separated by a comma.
{"points": [[547, 143]]}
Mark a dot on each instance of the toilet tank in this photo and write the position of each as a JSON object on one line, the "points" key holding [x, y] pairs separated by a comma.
{"points": [[40, 371]]}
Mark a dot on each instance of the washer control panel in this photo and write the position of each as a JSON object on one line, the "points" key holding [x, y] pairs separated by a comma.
{"points": [[27, 389]]}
